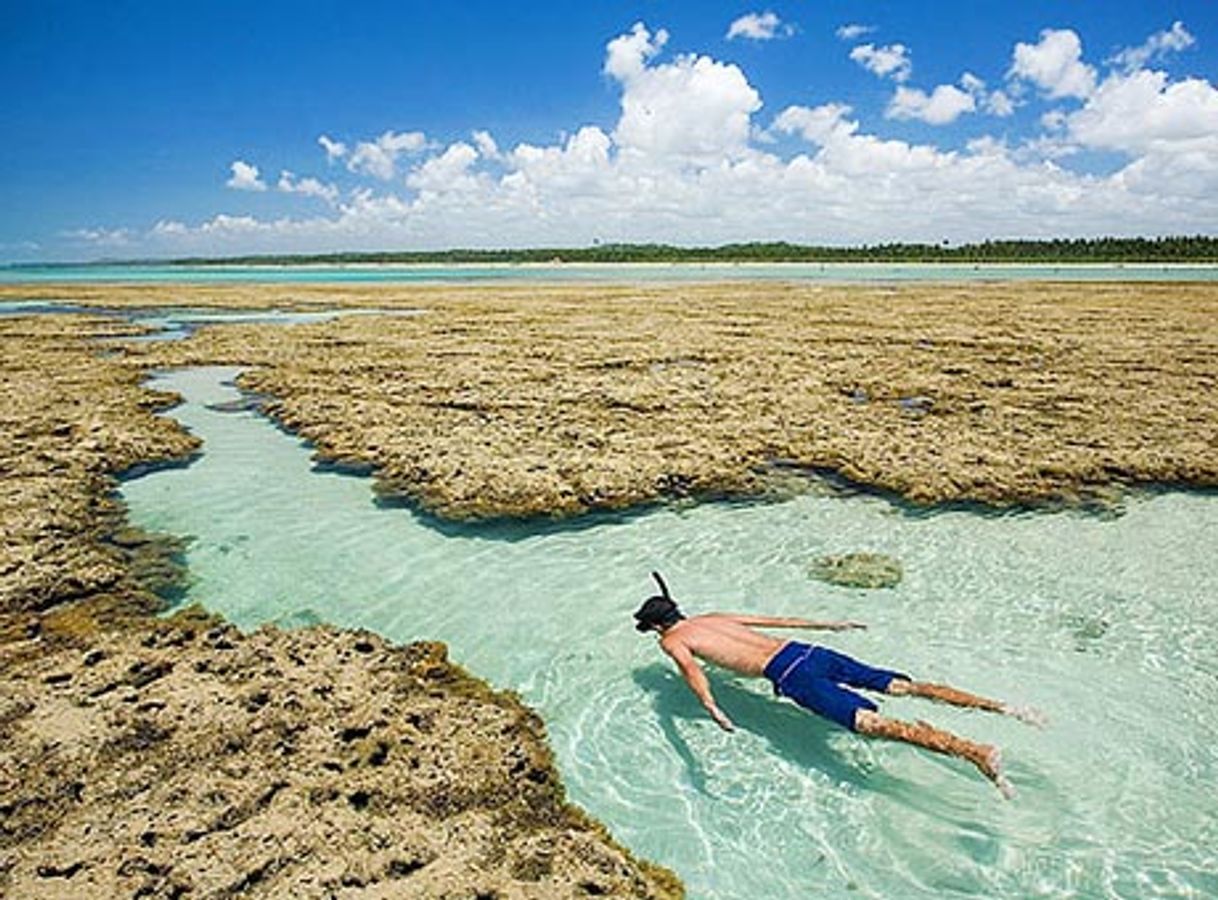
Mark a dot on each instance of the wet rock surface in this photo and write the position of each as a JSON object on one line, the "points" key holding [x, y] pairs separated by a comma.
{"points": [[71, 421], [185, 758], [858, 570], [562, 399]]}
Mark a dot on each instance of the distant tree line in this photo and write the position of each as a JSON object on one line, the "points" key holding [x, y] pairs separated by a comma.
{"points": [[1062, 250]]}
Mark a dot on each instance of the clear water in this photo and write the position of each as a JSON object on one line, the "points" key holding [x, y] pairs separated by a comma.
{"points": [[1107, 625], [40, 307], [825, 272], [177, 323]]}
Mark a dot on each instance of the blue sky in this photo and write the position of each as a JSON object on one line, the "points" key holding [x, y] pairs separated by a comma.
{"points": [[163, 129]]}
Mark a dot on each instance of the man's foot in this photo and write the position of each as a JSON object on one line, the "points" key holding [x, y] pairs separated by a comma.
{"points": [[1028, 714], [989, 761]]}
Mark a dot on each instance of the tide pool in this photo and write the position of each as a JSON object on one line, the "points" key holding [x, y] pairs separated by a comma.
{"points": [[177, 323], [1108, 625]]}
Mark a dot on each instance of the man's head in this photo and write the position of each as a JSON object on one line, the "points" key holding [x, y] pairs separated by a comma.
{"points": [[658, 612]]}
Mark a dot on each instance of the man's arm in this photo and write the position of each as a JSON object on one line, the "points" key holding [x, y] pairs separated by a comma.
{"points": [[786, 622], [696, 679]]}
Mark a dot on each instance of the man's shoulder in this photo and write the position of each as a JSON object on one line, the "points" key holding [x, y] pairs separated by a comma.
{"points": [[678, 637], [692, 624], [689, 632], [705, 618]]}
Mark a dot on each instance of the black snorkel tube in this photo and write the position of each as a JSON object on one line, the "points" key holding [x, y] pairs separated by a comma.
{"points": [[659, 611]]}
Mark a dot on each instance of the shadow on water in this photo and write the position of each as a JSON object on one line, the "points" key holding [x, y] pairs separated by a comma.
{"points": [[518, 528], [1163, 488], [833, 483], [793, 734], [151, 467], [507, 529], [802, 739]]}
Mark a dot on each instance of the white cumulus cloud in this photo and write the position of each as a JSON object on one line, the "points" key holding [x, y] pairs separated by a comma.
{"points": [[997, 103], [334, 149], [170, 228], [693, 108], [1156, 46], [1141, 111], [486, 145], [378, 158], [943, 105], [890, 61], [817, 124], [853, 31], [102, 237], [448, 171], [758, 26], [626, 56], [1055, 65], [245, 177], [686, 161], [583, 166], [307, 187]]}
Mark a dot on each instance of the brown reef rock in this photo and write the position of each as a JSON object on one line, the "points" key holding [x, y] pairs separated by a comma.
{"points": [[556, 400], [858, 570], [184, 758], [71, 420], [151, 759]]}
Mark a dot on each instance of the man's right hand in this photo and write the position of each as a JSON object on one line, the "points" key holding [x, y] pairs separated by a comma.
{"points": [[846, 626], [721, 719]]}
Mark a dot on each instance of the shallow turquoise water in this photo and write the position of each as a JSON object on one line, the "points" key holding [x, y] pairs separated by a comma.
{"points": [[607, 272], [176, 323], [1107, 625]]}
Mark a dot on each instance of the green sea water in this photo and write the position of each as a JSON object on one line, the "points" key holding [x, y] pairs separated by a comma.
{"points": [[1107, 624], [608, 272]]}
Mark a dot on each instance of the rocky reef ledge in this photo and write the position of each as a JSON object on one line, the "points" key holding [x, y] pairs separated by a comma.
{"points": [[71, 421], [183, 757], [554, 401], [161, 758]]}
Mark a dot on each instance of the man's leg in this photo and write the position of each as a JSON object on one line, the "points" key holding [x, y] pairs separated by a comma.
{"points": [[944, 693], [848, 670], [986, 757]]}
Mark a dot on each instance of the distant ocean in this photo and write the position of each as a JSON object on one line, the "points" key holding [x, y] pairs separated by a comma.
{"points": [[608, 272]]}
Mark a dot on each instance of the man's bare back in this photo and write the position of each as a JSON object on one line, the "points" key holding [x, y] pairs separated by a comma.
{"points": [[723, 640]]}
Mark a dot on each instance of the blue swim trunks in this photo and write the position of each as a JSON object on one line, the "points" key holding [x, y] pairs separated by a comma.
{"points": [[813, 678]]}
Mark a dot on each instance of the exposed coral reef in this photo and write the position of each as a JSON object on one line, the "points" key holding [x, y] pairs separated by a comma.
{"points": [[183, 757], [71, 419], [557, 400], [156, 757]]}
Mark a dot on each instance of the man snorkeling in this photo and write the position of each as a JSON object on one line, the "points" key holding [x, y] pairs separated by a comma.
{"points": [[814, 677]]}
